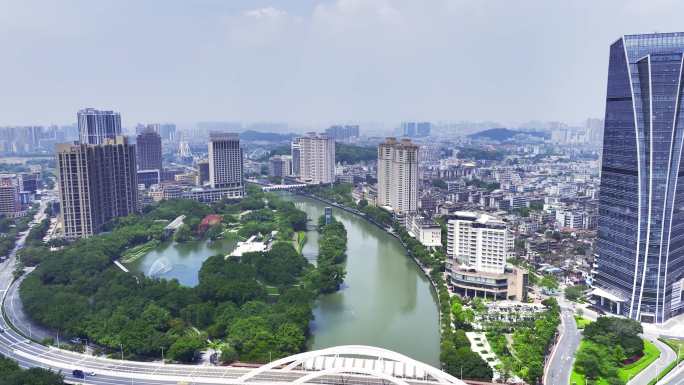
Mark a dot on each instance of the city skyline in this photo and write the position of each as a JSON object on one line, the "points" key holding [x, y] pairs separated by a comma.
{"points": [[207, 62]]}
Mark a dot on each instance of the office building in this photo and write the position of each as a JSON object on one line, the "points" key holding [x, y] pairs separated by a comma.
{"points": [[280, 166], [10, 203], [316, 158], [94, 126], [226, 162], [478, 246], [97, 183], [640, 260], [398, 175], [149, 149]]}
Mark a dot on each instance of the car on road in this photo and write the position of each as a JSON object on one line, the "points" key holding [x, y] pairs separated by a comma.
{"points": [[2, 330], [78, 373]]}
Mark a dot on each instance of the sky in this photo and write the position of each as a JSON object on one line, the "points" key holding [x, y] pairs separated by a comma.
{"points": [[315, 62]]}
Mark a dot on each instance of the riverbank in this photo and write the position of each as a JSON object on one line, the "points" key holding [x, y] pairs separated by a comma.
{"points": [[385, 300], [388, 230]]}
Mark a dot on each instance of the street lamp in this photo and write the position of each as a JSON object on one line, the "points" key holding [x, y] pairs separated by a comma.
{"points": [[162, 349], [121, 346]]}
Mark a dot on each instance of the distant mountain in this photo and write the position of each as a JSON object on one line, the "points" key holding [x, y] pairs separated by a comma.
{"points": [[251, 135], [505, 134]]}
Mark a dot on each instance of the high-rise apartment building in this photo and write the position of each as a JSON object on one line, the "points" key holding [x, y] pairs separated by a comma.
{"points": [[398, 175], [94, 126], [295, 151], [640, 257], [315, 155], [415, 129], [149, 149], [96, 184], [280, 165], [10, 204], [225, 161]]}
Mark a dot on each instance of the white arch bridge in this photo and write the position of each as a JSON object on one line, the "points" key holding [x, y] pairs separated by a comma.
{"points": [[353, 364]]}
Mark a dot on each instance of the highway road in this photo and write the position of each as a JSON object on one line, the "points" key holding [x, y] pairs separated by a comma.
{"points": [[560, 364], [106, 371]]}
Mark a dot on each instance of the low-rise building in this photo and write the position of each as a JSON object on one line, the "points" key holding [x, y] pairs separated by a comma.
{"points": [[426, 231]]}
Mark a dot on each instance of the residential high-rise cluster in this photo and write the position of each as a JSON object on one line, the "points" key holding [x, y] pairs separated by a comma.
{"points": [[106, 176], [313, 158], [97, 182], [343, 133], [640, 258], [398, 175], [416, 129]]}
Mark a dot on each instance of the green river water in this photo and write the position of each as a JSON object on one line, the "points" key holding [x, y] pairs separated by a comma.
{"points": [[385, 301]]}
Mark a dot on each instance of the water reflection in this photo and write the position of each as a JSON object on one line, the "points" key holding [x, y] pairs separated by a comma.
{"points": [[386, 300]]}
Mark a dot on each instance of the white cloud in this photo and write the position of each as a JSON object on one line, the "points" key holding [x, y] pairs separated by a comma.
{"points": [[268, 13]]}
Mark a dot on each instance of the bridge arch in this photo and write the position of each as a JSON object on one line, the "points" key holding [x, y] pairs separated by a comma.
{"points": [[379, 355]]}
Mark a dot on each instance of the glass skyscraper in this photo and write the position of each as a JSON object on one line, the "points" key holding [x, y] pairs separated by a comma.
{"points": [[95, 126], [640, 248]]}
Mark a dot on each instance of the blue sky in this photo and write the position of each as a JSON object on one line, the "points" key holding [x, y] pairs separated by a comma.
{"points": [[314, 62]]}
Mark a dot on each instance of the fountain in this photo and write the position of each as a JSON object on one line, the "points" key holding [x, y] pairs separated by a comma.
{"points": [[159, 267]]}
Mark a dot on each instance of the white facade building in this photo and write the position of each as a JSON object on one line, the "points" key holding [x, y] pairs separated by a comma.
{"points": [[427, 232], [315, 157], [479, 241]]}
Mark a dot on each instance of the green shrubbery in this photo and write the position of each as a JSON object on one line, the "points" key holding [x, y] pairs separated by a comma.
{"points": [[607, 343], [332, 245], [11, 374], [79, 292]]}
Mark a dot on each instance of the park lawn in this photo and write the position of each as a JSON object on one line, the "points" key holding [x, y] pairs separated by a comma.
{"points": [[138, 251], [581, 322], [651, 353], [299, 241]]}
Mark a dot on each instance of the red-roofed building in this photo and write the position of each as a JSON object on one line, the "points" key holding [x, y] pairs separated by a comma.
{"points": [[208, 221]]}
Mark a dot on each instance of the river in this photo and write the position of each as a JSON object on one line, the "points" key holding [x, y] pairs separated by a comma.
{"points": [[385, 301]]}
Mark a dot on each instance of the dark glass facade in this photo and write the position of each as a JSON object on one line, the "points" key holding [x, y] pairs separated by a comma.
{"points": [[641, 206]]}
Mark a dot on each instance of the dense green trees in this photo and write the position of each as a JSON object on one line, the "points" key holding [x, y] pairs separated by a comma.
{"points": [[79, 292], [610, 331], [573, 293], [11, 374], [332, 246], [347, 153], [607, 343]]}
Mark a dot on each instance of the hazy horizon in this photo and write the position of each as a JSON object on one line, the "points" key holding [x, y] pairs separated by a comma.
{"points": [[310, 63]]}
